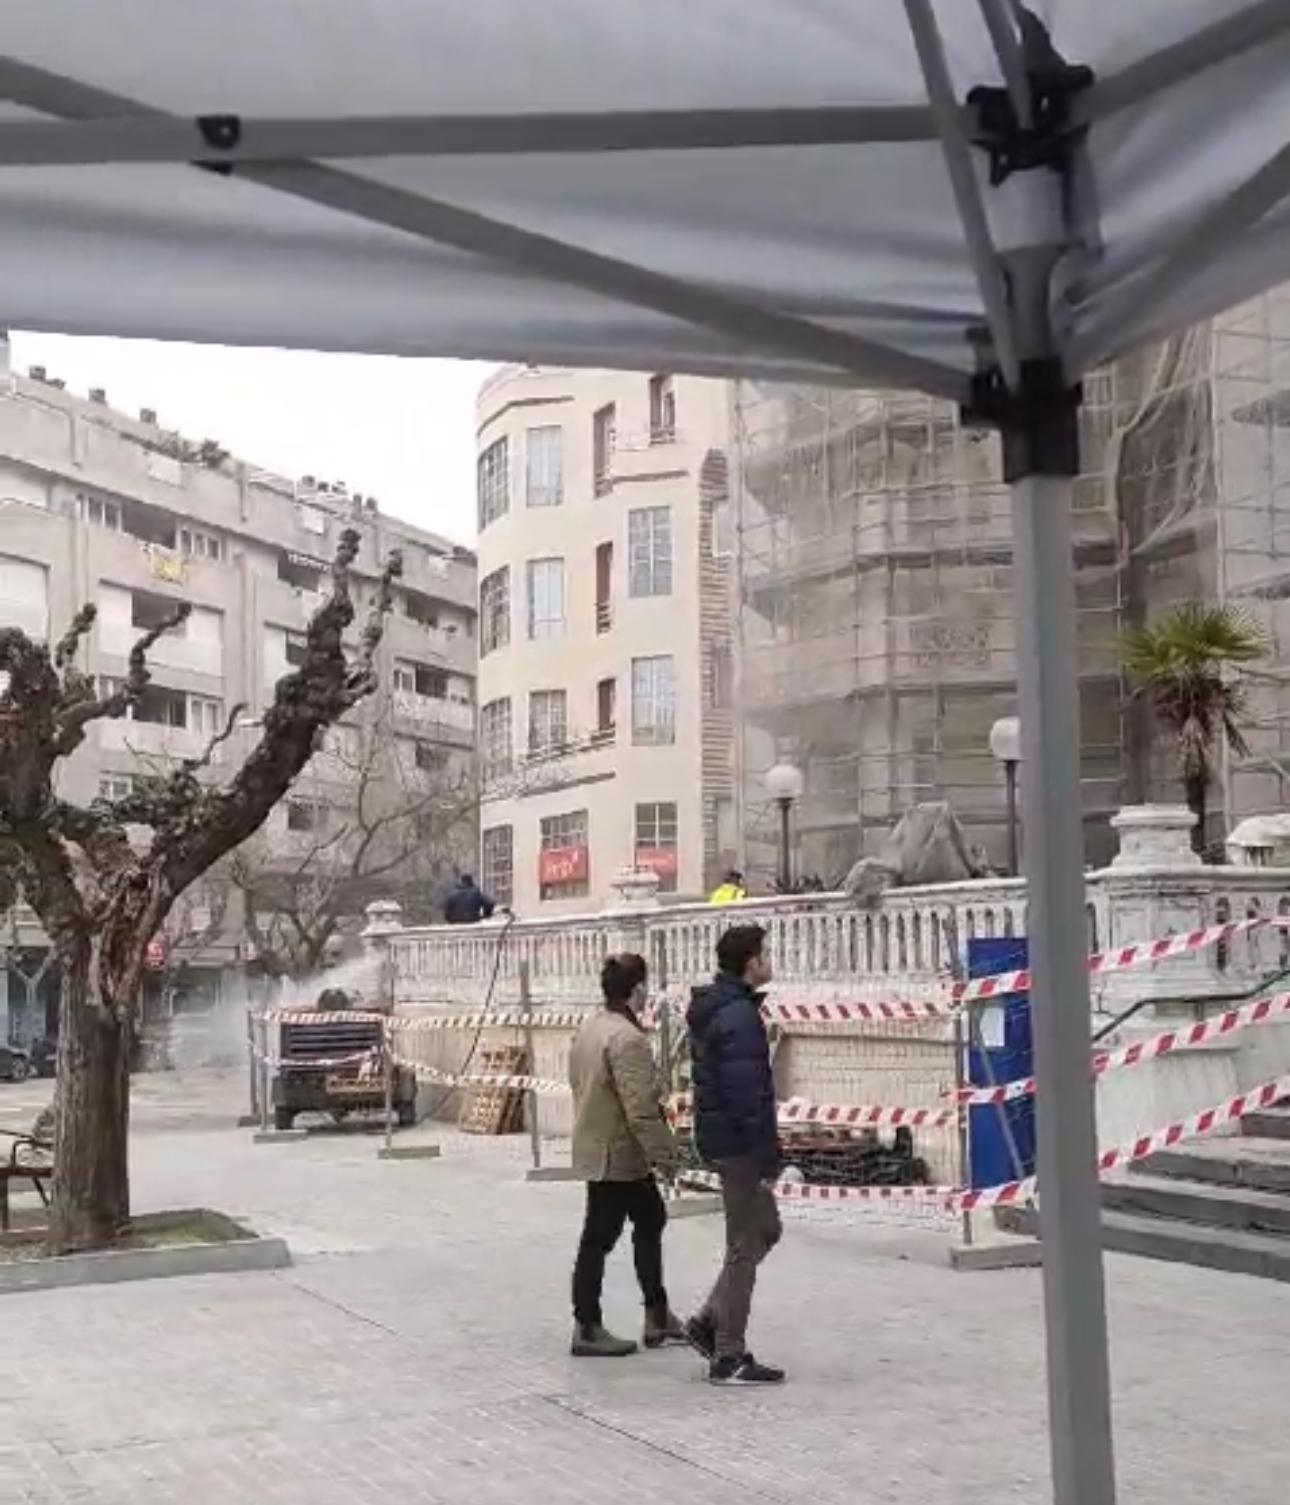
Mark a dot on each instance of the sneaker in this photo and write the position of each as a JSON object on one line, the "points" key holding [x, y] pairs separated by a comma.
{"points": [[701, 1335], [745, 1371], [662, 1328], [592, 1341]]}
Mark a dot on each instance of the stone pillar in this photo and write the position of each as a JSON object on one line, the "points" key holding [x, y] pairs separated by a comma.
{"points": [[1156, 886], [384, 919]]}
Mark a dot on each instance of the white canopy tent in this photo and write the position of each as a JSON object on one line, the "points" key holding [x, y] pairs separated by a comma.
{"points": [[785, 190]]}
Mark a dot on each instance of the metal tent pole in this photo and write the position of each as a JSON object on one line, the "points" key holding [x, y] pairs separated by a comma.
{"points": [[1079, 1388], [1037, 414]]}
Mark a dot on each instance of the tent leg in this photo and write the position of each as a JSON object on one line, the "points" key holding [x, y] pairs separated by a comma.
{"points": [[1079, 1398]]}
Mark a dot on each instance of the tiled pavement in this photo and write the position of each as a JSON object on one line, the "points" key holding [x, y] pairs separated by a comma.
{"points": [[417, 1352]]}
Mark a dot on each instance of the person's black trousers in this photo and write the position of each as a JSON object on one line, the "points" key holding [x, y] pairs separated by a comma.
{"points": [[609, 1205]]}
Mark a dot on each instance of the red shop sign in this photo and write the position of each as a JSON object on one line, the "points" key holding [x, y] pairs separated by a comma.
{"points": [[563, 865], [659, 860], [154, 958]]}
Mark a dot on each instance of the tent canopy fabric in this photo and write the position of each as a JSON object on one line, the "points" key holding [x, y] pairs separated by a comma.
{"points": [[837, 224], [785, 190]]}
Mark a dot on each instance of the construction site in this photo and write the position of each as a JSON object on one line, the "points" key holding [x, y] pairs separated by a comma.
{"points": [[876, 626]]}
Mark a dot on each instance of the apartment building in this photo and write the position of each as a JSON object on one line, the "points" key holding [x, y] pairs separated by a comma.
{"points": [[604, 634], [99, 506]]}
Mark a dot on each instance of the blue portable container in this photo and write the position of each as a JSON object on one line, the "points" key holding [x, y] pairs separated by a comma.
{"points": [[991, 1161]]}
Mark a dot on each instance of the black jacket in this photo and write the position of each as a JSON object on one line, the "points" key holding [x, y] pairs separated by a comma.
{"points": [[467, 905], [734, 1091]]}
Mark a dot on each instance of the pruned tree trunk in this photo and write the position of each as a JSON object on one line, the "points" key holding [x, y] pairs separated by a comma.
{"points": [[91, 1201], [1196, 787]]}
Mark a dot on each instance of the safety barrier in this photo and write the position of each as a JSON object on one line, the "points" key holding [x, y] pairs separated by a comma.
{"points": [[849, 1123]]}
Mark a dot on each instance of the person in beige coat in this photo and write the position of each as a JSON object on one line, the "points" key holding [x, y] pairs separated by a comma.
{"points": [[620, 1139]]}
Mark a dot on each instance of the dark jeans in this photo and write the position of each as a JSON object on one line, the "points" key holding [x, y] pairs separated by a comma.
{"points": [[753, 1229], [609, 1205]]}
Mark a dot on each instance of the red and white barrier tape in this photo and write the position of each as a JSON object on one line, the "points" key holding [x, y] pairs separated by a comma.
{"points": [[1261, 1011], [1198, 1125], [503, 1019], [810, 1191], [508, 1082], [798, 1111], [857, 1012], [368, 1061], [1143, 955], [1195, 1127]]}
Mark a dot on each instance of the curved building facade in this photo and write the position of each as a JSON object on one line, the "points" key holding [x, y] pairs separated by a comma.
{"points": [[604, 634]]}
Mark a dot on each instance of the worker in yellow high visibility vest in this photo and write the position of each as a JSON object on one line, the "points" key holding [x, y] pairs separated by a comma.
{"points": [[730, 890]]}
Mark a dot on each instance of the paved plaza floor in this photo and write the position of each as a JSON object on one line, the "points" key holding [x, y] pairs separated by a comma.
{"points": [[417, 1351]]}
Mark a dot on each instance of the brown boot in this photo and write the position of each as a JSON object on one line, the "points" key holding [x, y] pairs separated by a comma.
{"points": [[592, 1341], [663, 1327]]}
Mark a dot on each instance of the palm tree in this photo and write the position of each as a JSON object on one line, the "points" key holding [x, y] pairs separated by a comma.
{"points": [[1184, 662]]}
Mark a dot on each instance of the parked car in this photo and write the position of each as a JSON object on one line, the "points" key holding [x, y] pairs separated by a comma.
{"points": [[15, 1064], [44, 1056]]}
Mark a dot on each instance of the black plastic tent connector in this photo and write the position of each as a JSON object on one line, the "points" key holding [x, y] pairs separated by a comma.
{"points": [[1038, 423], [223, 132]]}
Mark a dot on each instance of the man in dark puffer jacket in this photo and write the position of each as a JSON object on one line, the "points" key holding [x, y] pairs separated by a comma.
{"points": [[735, 1132]]}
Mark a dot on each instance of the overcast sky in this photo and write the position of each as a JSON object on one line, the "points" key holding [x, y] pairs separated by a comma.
{"points": [[400, 430]]}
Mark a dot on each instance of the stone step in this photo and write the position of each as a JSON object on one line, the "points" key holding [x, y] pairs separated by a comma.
{"points": [[1199, 1202], [1267, 1123], [1242, 1253], [1261, 1164]]}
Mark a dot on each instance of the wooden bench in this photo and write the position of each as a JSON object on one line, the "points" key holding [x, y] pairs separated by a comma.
{"points": [[29, 1157]]}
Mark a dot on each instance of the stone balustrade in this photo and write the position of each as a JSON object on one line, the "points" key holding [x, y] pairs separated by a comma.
{"points": [[826, 948]]}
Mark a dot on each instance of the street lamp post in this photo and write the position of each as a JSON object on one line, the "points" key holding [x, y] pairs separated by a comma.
{"points": [[784, 785], [1005, 744]]}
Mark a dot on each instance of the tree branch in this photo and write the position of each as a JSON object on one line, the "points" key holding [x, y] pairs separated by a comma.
{"points": [[75, 717]]}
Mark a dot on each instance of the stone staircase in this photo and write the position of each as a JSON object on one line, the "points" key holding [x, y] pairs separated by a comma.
{"points": [[1221, 1203]]}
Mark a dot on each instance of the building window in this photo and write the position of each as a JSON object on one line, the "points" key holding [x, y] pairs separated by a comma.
{"points": [[24, 596], [564, 862], [654, 701], [604, 586], [649, 551], [429, 758], [603, 422], [721, 678], [205, 716], [306, 815], [419, 679], [296, 649], [496, 749], [198, 544], [116, 786], [544, 466], [102, 511], [662, 410], [494, 475], [548, 722], [656, 844], [606, 709], [312, 519], [498, 853], [546, 598], [495, 610], [148, 611]]}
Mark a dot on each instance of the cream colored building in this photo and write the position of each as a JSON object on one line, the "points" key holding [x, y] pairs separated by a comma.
{"points": [[604, 634]]}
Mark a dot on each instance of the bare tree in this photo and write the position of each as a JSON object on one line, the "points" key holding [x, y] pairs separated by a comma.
{"points": [[101, 899], [394, 830]]}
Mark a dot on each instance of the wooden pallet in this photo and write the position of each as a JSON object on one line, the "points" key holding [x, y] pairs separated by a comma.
{"points": [[496, 1110]]}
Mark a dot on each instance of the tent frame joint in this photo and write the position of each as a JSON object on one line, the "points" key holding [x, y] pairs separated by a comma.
{"points": [[1055, 131], [222, 133], [1038, 421]]}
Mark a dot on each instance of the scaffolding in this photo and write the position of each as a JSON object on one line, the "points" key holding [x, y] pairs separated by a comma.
{"points": [[876, 622]]}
